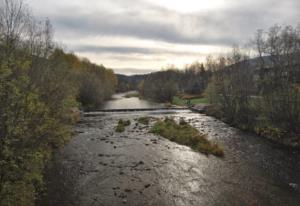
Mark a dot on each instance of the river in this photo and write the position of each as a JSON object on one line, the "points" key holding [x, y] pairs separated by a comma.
{"points": [[119, 101], [101, 167]]}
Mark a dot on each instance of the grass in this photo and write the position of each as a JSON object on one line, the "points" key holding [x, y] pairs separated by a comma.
{"points": [[189, 96], [144, 120], [185, 134], [181, 102], [121, 125]]}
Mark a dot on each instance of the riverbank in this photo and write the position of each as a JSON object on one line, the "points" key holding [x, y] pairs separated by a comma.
{"points": [[184, 100], [271, 133], [200, 105]]}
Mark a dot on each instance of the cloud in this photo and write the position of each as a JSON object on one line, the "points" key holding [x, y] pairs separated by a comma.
{"points": [[232, 23], [226, 26], [128, 71], [175, 28], [132, 50]]}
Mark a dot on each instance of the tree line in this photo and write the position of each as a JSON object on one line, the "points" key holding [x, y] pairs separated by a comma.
{"points": [[260, 93], [40, 85], [162, 86], [256, 88], [129, 83]]}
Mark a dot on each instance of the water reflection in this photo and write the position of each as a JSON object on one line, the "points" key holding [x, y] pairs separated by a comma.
{"points": [[119, 101], [101, 167]]}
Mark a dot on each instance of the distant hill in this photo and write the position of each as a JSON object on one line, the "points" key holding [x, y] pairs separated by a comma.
{"points": [[131, 82], [128, 83]]}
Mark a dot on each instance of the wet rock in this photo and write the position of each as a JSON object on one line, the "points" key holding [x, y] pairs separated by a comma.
{"points": [[122, 195], [293, 185], [147, 185], [127, 190], [102, 163], [154, 141]]}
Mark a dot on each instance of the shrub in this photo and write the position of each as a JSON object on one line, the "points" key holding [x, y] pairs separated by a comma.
{"points": [[121, 125], [144, 120], [185, 134]]}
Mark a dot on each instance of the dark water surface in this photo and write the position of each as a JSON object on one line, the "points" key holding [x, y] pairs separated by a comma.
{"points": [[101, 167]]}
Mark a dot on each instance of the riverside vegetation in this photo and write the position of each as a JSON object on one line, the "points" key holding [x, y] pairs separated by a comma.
{"points": [[258, 93], [41, 87], [121, 125], [185, 134], [181, 133], [261, 95], [144, 120]]}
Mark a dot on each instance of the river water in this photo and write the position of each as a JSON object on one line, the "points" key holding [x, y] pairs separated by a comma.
{"points": [[119, 101], [101, 167]]}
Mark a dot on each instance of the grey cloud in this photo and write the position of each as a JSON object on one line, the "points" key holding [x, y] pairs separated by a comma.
{"points": [[107, 49], [110, 25], [130, 58], [129, 50], [225, 27]]}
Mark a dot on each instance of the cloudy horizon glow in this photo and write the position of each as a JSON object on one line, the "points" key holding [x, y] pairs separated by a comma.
{"points": [[139, 36]]}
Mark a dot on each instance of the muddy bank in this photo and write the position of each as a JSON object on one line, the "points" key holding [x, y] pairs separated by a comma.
{"points": [[101, 167]]}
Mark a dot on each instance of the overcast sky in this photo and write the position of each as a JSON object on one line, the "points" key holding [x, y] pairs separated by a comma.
{"points": [[137, 36]]}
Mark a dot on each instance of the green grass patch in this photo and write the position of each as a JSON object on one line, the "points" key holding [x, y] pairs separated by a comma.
{"points": [[144, 120], [121, 125], [185, 134], [190, 96], [181, 102]]}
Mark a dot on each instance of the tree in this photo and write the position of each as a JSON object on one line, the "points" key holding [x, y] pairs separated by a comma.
{"points": [[38, 89], [160, 86], [278, 52]]}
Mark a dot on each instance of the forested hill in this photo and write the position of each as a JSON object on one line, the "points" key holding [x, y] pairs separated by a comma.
{"points": [[128, 83]]}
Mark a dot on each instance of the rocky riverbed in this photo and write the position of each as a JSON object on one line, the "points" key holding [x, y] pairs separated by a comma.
{"points": [[102, 167]]}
